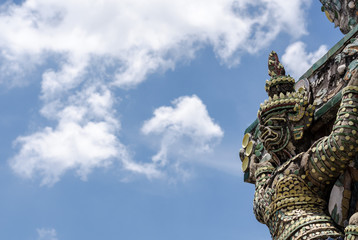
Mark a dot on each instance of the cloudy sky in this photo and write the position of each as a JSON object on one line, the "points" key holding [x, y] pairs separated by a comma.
{"points": [[122, 119]]}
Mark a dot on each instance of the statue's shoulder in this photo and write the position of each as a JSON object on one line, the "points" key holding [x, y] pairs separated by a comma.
{"points": [[291, 166]]}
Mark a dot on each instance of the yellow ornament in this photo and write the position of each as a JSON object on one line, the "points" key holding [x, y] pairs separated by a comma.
{"points": [[245, 164], [249, 148], [245, 140], [328, 16]]}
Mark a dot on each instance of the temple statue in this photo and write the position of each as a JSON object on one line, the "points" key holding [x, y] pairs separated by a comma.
{"points": [[343, 13], [294, 172]]}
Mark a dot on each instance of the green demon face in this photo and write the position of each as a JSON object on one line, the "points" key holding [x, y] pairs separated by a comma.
{"points": [[275, 133]]}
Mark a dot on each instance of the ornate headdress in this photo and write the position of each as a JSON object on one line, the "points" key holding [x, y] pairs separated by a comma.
{"points": [[283, 96]]}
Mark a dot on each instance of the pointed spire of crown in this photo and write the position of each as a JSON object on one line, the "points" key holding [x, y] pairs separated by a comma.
{"points": [[274, 65], [279, 82]]}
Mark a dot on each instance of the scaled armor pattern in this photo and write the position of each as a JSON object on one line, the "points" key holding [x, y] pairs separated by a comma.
{"points": [[293, 185]]}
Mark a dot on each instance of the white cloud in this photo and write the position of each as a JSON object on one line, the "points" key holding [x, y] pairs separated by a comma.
{"points": [[185, 130], [47, 234], [84, 139], [297, 60], [142, 36], [86, 48]]}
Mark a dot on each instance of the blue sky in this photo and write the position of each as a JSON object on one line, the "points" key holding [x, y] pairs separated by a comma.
{"points": [[123, 119]]}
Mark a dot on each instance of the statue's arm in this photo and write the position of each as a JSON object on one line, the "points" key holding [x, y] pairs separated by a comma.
{"points": [[328, 157], [262, 176]]}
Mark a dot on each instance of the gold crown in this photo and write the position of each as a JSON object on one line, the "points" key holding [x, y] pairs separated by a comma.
{"points": [[294, 100], [277, 81]]}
